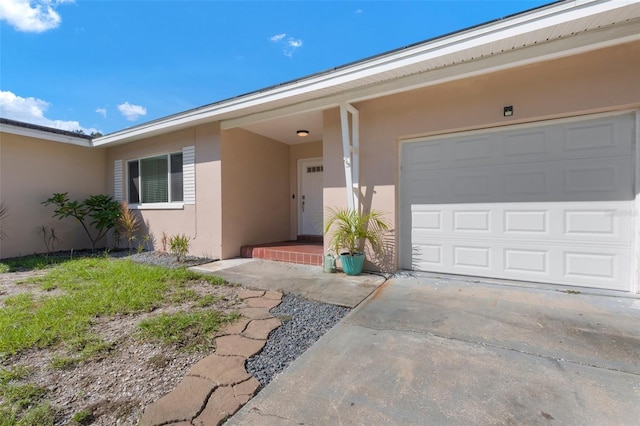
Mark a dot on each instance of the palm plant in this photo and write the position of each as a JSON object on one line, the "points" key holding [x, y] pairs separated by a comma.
{"points": [[128, 224], [350, 230]]}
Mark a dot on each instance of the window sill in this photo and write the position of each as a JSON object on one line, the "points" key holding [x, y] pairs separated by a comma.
{"points": [[157, 206]]}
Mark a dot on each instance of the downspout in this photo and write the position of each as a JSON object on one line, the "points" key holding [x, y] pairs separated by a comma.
{"points": [[351, 153]]}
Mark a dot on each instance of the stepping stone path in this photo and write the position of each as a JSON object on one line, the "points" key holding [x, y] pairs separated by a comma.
{"points": [[218, 385]]}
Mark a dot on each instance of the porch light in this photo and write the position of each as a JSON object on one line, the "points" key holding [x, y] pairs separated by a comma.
{"points": [[303, 133], [507, 111]]}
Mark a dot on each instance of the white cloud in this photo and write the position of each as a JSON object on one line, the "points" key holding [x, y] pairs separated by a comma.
{"points": [[102, 112], [278, 37], [31, 110], [289, 44], [132, 112], [34, 16]]}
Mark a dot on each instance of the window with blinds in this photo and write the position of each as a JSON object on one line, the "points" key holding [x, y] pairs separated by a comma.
{"points": [[156, 179]]}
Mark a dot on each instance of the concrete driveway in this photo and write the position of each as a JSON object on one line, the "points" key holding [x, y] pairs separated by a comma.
{"points": [[442, 350]]}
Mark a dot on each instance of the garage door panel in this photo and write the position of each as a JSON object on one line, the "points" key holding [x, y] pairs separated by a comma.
{"points": [[527, 261], [608, 222], [599, 138], [579, 266], [604, 179], [525, 221], [557, 207]]}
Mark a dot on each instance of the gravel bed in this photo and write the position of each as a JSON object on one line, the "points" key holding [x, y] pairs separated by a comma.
{"points": [[149, 257], [165, 259], [303, 323]]}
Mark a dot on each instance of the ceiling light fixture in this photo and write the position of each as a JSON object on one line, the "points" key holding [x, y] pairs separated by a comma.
{"points": [[302, 133]]}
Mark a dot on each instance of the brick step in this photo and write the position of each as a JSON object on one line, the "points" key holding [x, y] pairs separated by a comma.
{"points": [[302, 253]]}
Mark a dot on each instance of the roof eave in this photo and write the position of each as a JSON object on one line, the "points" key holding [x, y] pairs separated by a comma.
{"points": [[45, 135], [511, 27]]}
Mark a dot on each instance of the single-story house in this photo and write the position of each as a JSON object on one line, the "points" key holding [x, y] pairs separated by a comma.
{"points": [[507, 150]]}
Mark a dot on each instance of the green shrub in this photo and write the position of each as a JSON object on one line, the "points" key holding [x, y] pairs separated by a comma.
{"points": [[179, 246], [101, 209]]}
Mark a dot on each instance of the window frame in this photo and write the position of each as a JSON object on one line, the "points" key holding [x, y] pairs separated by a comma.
{"points": [[170, 205]]}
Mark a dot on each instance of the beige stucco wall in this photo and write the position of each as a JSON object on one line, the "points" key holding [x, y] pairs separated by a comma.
{"points": [[255, 190], [202, 221], [298, 152], [598, 81], [31, 170]]}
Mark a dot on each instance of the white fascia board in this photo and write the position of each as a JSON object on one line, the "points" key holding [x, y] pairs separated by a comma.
{"points": [[489, 33], [580, 43], [41, 134]]}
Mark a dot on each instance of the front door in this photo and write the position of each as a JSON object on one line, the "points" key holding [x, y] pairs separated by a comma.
{"points": [[310, 196]]}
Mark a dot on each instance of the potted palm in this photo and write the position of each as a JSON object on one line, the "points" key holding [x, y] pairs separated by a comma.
{"points": [[349, 231]]}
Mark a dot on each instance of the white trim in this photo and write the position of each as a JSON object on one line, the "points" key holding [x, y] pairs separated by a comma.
{"points": [[539, 23], [580, 43], [301, 161], [157, 206], [167, 155], [635, 271], [189, 174], [41, 134], [351, 155], [117, 180]]}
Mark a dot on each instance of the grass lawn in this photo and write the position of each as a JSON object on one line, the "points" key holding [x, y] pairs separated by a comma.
{"points": [[71, 298]]}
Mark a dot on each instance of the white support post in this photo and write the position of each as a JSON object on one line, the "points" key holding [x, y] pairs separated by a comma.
{"points": [[351, 153], [355, 156], [635, 278]]}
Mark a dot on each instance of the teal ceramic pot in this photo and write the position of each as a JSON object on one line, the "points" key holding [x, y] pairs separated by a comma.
{"points": [[352, 265]]}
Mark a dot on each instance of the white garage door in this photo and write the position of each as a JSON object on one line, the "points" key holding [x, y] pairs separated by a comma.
{"points": [[549, 203]]}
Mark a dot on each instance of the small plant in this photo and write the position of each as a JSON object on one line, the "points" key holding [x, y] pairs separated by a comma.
{"points": [[208, 300], [350, 230], [82, 417], [147, 240], [190, 331], [3, 221], [63, 362], [128, 224], [101, 209], [49, 238], [164, 240], [179, 246]]}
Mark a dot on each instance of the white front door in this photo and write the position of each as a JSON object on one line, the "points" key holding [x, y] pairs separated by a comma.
{"points": [[310, 196], [550, 202]]}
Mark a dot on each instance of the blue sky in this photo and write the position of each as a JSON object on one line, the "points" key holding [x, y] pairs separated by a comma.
{"points": [[107, 65]]}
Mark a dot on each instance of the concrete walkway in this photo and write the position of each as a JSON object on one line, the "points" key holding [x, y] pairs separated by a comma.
{"points": [[306, 281], [440, 350]]}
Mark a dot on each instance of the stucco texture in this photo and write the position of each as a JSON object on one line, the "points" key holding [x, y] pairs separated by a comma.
{"points": [[200, 221], [599, 81], [31, 170]]}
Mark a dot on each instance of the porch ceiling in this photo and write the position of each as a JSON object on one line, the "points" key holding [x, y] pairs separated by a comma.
{"points": [[284, 129]]}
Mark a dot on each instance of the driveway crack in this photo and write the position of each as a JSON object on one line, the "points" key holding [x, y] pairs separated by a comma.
{"points": [[491, 345]]}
